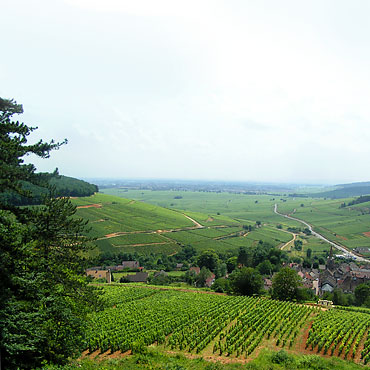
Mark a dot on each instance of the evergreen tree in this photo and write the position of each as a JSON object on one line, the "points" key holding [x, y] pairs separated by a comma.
{"points": [[44, 297]]}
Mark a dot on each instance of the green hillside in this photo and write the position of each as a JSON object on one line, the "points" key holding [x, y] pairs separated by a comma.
{"points": [[222, 216], [64, 186], [124, 226], [113, 214], [343, 191], [344, 225], [239, 207]]}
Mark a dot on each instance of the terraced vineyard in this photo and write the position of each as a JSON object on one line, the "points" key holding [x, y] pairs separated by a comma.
{"points": [[222, 326], [209, 208]]}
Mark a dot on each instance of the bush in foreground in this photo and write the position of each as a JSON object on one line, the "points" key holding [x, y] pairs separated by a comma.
{"points": [[154, 359]]}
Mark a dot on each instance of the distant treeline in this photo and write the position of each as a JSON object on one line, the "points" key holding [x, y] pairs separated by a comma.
{"points": [[359, 200], [296, 195], [344, 192], [60, 186], [198, 185]]}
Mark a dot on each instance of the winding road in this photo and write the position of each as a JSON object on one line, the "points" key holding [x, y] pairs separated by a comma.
{"points": [[337, 246]]}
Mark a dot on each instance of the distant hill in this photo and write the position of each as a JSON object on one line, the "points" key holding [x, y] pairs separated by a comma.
{"points": [[355, 184], [64, 187], [345, 191]]}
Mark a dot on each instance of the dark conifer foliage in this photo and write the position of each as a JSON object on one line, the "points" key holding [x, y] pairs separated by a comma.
{"points": [[44, 297]]}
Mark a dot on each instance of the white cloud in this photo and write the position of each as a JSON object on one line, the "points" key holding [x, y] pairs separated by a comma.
{"points": [[147, 8], [209, 89]]}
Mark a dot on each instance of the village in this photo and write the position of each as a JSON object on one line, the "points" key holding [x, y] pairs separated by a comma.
{"points": [[345, 276]]}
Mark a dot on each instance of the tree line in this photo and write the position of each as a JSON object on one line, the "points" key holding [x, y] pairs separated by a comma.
{"points": [[63, 186]]}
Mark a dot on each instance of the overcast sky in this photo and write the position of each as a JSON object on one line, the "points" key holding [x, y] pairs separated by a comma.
{"points": [[229, 90]]}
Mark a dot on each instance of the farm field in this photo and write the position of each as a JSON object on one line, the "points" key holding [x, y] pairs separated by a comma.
{"points": [[119, 274], [239, 207], [318, 247], [345, 226], [113, 214], [221, 328], [126, 225]]}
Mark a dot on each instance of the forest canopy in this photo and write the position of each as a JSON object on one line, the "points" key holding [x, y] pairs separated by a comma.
{"points": [[63, 186]]}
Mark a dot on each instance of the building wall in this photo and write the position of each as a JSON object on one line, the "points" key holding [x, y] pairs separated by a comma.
{"points": [[100, 274]]}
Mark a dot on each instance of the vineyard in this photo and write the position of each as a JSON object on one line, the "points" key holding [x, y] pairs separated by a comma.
{"points": [[339, 332], [127, 226], [218, 325], [345, 225]]}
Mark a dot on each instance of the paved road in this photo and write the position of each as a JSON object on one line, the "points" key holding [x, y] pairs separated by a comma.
{"points": [[337, 246]]}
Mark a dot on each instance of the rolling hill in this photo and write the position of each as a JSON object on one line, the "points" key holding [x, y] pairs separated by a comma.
{"points": [[64, 186], [345, 191], [123, 225]]}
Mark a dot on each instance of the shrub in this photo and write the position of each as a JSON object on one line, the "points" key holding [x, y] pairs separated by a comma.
{"points": [[280, 357]]}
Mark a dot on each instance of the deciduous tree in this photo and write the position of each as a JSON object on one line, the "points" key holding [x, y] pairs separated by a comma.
{"points": [[285, 284], [246, 281], [208, 259]]}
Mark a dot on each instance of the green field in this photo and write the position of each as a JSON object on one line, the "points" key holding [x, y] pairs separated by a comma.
{"points": [[126, 225], [342, 225], [238, 207], [125, 215], [156, 359], [318, 247]]}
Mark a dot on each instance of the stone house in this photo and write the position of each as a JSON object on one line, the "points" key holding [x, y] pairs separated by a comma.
{"points": [[100, 274], [131, 264]]}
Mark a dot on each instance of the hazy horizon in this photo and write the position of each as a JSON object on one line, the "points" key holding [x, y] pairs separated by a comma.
{"points": [[205, 180], [212, 90]]}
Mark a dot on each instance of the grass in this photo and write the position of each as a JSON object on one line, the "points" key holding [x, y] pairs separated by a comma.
{"points": [[106, 245], [118, 274], [130, 239], [267, 359], [319, 248]]}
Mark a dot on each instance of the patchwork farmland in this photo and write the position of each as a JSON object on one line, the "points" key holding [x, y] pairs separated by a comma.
{"points": [[347, 226], [124, 225]]}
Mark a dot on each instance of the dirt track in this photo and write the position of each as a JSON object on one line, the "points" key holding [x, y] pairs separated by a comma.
{"points": [[91, 206]]}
